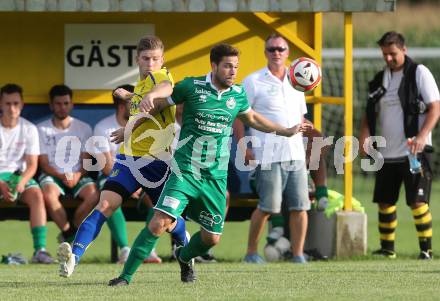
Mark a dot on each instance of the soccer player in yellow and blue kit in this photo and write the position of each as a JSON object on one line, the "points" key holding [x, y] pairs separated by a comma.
{"points": [[198, 179], [137, 165]]}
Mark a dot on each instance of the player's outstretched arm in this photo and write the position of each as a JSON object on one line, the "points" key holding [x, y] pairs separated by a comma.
{"points": [[160, 104], [239, 133], [261, 123], [155, 97]]}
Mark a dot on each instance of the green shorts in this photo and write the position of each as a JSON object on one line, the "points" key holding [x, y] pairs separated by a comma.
{"points": [[101, 181], [205, 200], [4, 176], [45, 179]]}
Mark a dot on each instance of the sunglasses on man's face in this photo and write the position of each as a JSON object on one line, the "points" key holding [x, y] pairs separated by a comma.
{"points": [[273, 49]]}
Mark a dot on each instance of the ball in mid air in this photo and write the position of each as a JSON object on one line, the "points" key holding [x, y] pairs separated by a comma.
{"points": [[304, 74]]}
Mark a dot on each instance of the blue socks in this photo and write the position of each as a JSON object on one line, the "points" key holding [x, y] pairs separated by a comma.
{"points": [[178, 234], [87, 232]]}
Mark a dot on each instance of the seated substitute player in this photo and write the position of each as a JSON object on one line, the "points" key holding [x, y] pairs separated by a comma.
{"points": [[61, 169], [105, 150], [19, 150], [136, 163], [198, 181]]}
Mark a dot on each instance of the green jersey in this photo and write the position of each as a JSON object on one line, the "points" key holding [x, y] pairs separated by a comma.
{"points": [[208, 115]]}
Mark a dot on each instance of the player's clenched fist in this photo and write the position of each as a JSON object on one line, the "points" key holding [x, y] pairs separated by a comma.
{"points": [[123, 94], [300, 128], [147, 103]]}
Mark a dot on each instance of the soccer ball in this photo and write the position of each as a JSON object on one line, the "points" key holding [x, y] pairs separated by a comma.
{"points": [[274, 234], [282, 244], [271, 253], [304, 74], [277, 251]]}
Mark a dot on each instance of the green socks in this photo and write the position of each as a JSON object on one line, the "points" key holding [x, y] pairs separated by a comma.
{"points": [[118, 228], [39, 237], [144, 243], [196, 247], [321, 191]]}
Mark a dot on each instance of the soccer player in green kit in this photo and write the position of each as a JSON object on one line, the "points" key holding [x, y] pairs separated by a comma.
{"points": [[198, 181]]}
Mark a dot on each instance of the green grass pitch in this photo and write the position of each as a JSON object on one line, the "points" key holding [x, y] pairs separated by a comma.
{"points": [[361, 278]]}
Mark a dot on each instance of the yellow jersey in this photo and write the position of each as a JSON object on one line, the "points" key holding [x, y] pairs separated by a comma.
{"points": [[155, 135]]}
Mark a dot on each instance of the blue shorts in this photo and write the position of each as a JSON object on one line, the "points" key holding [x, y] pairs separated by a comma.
{"points": [[131, 173], [282, 181]]}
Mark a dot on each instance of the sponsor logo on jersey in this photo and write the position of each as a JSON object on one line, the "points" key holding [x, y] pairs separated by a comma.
{"points": [[206, 218], [199, 82], [202, 91], [202, 98], [231, 103], [170, 202]]}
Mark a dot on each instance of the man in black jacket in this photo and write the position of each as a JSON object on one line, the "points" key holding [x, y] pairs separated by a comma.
{"points": [[404, 106]]}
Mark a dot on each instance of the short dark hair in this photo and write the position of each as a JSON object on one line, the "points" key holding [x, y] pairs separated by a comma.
{"points": [[149, 43], [117, 100], [11, 88], [221, 50], [59, 90], [390, 38]]}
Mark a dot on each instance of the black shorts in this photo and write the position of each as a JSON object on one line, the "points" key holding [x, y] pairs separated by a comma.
{"points": [[390, 177]]}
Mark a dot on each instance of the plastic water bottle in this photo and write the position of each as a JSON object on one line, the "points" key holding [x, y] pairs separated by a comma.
{"points": [[415, 166], [13, 181]]}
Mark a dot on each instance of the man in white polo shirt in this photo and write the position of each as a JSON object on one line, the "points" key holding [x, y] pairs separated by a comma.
{"points": [[281, 173]]}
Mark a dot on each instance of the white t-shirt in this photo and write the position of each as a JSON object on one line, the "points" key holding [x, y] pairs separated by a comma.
{"points": [[73, 142], [17, 142], [391, 113], [279, 102], [103, 129]]}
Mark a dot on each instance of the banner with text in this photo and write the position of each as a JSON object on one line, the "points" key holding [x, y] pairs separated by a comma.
{"points": [[101, 56]]}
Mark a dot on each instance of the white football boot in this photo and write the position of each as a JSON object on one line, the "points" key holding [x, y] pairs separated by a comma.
{"points": [[66, 259]]}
